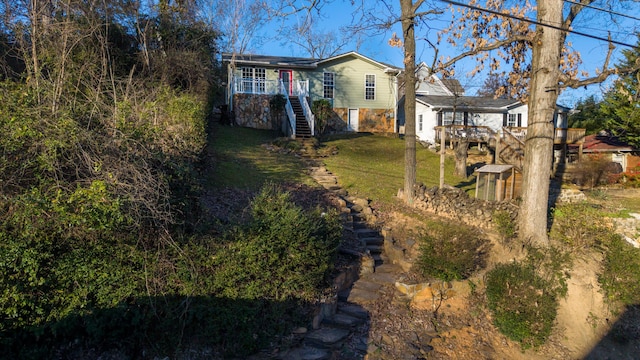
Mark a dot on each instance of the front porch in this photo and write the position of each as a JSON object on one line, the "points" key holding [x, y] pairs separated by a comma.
{"points": [[251, 105]]}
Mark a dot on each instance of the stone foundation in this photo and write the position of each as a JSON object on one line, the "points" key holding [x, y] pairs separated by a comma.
{"points": [[253, 111]]}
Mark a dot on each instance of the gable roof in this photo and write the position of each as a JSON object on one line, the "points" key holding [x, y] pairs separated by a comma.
{"points": [[453, 85], [604, 143], [298, 62], [476, 103], [387, 67]]}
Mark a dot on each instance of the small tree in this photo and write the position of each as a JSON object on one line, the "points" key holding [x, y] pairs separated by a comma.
{"points": [[322, 111]]}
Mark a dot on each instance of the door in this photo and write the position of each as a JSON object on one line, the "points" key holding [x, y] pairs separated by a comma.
{"points": [[287, 79], [352, 124]]}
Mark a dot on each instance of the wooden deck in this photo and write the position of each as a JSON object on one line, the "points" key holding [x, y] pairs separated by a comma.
{"points": [[486, 134]]}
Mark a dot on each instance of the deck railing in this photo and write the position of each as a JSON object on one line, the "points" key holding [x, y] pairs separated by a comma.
{"points": [[560, 136], [484, 133], [473, 133]]}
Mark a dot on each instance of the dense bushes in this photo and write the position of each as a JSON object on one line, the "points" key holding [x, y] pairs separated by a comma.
{"points": [[69, 271], [451, 252]]}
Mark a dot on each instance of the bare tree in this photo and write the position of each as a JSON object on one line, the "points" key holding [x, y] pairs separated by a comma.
{"points": [[316, 43], [503, 26]]}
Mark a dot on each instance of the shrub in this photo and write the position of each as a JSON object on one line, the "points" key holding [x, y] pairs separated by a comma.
{"points": [[578, 225], [595, 171], [504, 224], [451, 252], [523, 308], [523, 296], [284, 252], [620, 277], [322, 110]]}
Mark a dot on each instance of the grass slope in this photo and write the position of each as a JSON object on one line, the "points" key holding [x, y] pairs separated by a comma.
{"points": [[373, 166], [240, 160]]}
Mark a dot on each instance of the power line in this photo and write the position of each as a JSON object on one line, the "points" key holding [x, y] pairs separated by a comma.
{"points": [[535, 22], [603, 10]]}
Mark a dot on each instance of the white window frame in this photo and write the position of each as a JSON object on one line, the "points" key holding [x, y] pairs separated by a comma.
{"points": [[253, 80], [447, 118], [328, 85], [370, 87], [512, 120]]}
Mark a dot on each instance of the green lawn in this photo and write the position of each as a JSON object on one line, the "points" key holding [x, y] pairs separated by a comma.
{"points": [[372, 166], [240, 160]]}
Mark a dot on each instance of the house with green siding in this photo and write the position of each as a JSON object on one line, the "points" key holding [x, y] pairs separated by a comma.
{"points": [[363, 92]]}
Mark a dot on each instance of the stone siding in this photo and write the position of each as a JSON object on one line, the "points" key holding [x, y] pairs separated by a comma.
{"points": [[455, 204], [371, 120], [253, 111]]}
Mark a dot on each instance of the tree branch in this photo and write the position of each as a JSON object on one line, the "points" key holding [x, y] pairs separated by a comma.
{"points": [[493, 46]]}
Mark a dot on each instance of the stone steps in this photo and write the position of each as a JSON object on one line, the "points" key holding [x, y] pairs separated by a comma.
{"points": [[336, 326]]}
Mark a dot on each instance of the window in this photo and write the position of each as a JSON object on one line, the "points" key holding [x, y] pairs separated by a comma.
{"points": [[253, 80], [514, 120], [447, 118], [369, 87], [420, 122], [329, 85]]}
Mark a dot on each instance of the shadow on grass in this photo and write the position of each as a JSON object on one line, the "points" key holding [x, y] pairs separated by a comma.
{"points": [[148, 327]]}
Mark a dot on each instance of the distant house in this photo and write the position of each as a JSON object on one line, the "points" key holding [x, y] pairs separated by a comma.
{"points": [[612, 149], [363, 92], [480, 118]]}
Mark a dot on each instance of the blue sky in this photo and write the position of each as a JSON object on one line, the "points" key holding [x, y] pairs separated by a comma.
{"points": [[337, 13]]}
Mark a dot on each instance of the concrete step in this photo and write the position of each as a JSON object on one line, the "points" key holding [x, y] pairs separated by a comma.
{"points": [[353, 310], [375, 249]]}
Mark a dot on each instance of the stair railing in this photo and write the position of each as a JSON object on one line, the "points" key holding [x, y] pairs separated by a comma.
{"points": [[513, 142], [306, 109], [290, 114]]}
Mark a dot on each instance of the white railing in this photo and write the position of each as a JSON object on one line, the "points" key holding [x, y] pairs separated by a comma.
{"points": [[302, 88], [290, 114], [255, 86], [269, 87]]}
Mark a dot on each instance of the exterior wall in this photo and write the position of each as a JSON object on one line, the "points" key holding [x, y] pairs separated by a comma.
{"points": [[428, 87], [252, 111], [349, 88], [633, 163], [429, 122]]}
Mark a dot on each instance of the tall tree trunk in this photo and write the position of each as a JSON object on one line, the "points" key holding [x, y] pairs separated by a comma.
{"points": [[408, 31], [540, 130]]}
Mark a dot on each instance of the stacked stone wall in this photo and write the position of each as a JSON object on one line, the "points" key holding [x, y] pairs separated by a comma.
{"points": [[253, 111], [455, 204]]}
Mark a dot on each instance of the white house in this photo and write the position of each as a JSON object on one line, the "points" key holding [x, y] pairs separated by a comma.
{"points": [[443, 102]]}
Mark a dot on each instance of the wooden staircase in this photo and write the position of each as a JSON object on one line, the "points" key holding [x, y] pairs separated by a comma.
{"points": [[302, 126], [510, 150]]}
